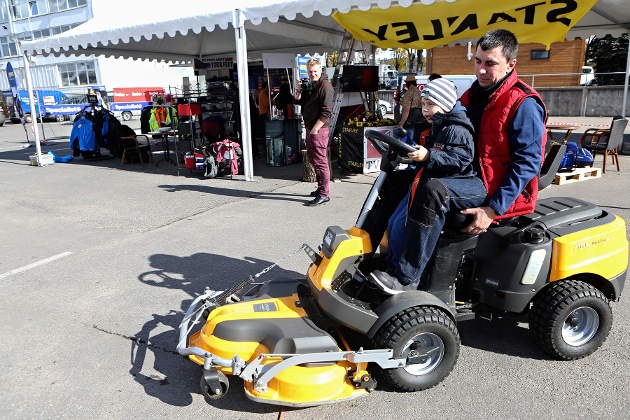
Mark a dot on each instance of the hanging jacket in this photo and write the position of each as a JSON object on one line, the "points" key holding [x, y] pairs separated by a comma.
{"points": [[173, 112], [83, 134], [145, 116], [154, 123], [227, 147], [493, 144]]}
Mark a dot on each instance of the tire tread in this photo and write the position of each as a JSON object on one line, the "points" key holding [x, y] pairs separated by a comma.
{"points": [[548, 307], [400, 324]]}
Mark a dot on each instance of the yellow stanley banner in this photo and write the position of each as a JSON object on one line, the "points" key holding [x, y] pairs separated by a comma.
{"points": [[422, 26]]}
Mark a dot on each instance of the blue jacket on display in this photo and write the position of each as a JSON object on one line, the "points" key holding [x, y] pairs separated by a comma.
{"points": [[83, 132]]}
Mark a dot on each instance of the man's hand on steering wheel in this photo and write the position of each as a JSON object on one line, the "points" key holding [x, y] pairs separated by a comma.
{"points": [[482, 218]]}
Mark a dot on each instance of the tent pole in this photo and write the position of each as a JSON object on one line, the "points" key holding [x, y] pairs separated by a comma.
{"points": [[243, 91], [625, 83], [31, 101]]}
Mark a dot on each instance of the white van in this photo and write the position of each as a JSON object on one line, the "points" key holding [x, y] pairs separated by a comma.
{"points": [[462, 83], [587, 75]]}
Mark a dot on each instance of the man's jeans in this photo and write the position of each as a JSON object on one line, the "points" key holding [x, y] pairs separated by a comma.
{"points": [[316, 146], [411, 242]]}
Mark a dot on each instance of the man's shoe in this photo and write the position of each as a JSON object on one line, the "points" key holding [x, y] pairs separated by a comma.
{"points": [[389, 284], [314, 193], [318, 200]]}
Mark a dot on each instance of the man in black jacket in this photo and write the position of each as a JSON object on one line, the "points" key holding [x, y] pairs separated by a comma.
{"points": [[316, 109]]}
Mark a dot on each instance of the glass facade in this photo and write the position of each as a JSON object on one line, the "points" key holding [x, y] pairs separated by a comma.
{"points": [[23, 9], [7, 46], [78, 73]]}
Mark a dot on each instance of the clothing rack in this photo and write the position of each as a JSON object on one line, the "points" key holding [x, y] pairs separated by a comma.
{"points": [[99, 141], [164, 137]]}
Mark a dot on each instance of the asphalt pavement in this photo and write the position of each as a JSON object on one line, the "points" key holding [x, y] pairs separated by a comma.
{"points": [[98, 262]]}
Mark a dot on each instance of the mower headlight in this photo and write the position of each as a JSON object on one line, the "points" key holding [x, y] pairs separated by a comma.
{"points": [[332, 238], [328, 238]]}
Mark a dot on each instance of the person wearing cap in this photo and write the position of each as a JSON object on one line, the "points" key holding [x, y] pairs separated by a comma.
{"points": [[445, 181], [411, 103]]}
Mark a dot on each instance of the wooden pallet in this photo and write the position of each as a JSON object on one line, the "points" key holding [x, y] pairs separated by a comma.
{"points": [[580, 174]]}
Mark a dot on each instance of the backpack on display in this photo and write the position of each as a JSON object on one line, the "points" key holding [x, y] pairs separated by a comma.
{"points": [[575, 157]]}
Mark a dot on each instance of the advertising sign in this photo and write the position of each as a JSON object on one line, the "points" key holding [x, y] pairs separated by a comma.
{"points": [[213, 63], [17, 103], [139, 94], [425, 25], [301, 61], [49, 110], [130, 106], [101, 95]]}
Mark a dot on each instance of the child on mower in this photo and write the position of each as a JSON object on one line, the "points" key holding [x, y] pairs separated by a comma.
{"points": [[445, 181]]}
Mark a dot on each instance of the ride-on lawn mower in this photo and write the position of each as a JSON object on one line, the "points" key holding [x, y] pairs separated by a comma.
{"points": [[294, 341]]}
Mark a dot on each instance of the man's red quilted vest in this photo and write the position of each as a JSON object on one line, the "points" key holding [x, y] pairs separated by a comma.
{"points": [[494, 145]]}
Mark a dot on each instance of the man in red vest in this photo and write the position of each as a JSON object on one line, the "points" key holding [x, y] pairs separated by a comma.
{"points": [[509, 119]]}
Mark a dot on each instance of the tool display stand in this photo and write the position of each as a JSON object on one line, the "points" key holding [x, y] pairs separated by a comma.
{"points": [[274, 142], [356, 153], [292, 137]]}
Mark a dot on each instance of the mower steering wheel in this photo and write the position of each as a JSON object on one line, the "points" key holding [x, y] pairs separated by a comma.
{"points": [[389, 140]]}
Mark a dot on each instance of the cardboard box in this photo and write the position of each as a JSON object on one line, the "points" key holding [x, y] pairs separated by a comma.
{"points": [[46, 160]]}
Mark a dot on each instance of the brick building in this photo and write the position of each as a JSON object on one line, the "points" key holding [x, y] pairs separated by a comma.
{"points": [[533, 59]]}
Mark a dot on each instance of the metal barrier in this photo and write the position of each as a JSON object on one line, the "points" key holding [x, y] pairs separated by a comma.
{"points": [[595, 83]]}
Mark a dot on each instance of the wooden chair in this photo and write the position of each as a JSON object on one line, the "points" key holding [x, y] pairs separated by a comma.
{"points": [[595, 135], [129, 144], [606, 141]]}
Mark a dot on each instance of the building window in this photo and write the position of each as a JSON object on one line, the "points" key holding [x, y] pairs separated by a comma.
{"points": [[25, 36], [8, 46], [26, 8], [41, 34], [79, 73], [539, 55], [59, 5], [20, 9], [4, 16]]}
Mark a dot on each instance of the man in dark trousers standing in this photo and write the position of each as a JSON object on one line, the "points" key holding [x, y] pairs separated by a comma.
{"points": [[316, 100]]}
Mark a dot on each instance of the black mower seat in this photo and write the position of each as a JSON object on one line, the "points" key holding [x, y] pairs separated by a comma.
{"points": [[279, 335], [561, 211]]}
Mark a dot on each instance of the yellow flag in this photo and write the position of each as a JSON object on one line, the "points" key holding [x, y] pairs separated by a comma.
{"points": [[421, 26]]}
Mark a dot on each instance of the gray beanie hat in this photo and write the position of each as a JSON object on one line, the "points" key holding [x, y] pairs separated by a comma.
{"points": [[442, 92]]}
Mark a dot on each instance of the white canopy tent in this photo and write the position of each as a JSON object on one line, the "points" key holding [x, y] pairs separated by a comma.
{"points": [[193, 29]]}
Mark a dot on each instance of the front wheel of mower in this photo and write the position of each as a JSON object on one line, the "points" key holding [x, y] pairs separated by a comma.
{"points": [[214, 384], [571, 319], [420, 330]]}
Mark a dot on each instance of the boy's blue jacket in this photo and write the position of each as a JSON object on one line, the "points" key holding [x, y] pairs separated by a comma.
{"points": [[451, 146]]}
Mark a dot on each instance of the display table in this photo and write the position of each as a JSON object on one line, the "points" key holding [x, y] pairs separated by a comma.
{"points": [[165, 144], [561, 127], [356, 153]]}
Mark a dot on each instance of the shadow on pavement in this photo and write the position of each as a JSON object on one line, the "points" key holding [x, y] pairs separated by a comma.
{"points": [[502, 336], [235, 192], [178, 378]]}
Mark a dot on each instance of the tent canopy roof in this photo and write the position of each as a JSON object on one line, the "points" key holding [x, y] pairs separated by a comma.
{"points": [[200, 29]]}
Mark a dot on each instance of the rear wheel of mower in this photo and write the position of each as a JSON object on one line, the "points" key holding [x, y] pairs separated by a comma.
{"points": [[571, 319], [420, 329]]}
